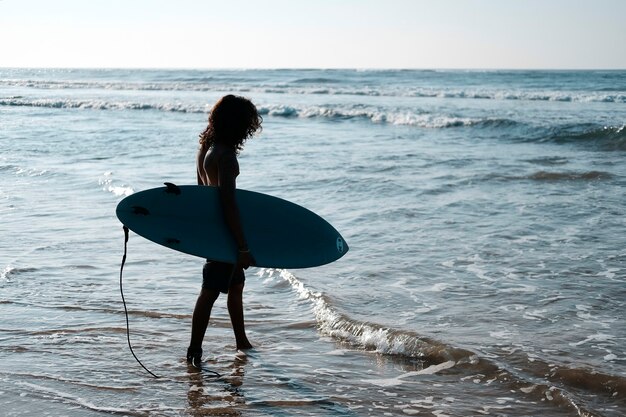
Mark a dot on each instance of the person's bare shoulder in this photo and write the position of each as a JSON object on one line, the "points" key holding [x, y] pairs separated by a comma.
{"points": [[227, 163]]}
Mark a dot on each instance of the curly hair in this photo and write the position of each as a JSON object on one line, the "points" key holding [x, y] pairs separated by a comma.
{"points": [[233, 120]]}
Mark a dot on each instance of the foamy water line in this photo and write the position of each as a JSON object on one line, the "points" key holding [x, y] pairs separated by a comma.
{"points": [[525, 373]]}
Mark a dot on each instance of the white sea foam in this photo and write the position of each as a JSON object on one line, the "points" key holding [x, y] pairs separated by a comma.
{"points": [[520, 288], [120, 191], [30, 172], [95, 104], [538, 314], [377, 115], [598, 337], [373, 114], [431, 370], [439, 287], [108, 185], [609, 273], [322, 88], [501, 334], [6, 273], [479, 271], [366, 335]]}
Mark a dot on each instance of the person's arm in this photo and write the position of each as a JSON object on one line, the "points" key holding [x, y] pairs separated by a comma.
{"points": [[228, 168]]}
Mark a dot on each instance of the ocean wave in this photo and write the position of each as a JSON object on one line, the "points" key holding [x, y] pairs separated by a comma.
{"points": [[605, 137], [396, 117], [18, 170], [568, 176], [371, 336], [531, 375], [549, 176], [518, 95], [316, 80], [101, 105], [322, 85], [108, 85], [548, 160], [372, 114], [10, 271]]}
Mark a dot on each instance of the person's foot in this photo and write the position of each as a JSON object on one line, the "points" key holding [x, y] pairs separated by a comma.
{"points": [[194, 357], [244, 345]]}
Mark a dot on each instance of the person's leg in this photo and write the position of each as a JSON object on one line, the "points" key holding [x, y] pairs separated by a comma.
{"points": [[200, 321], [235, 309]]}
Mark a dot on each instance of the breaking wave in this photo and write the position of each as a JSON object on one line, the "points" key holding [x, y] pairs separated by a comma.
{"points": [[562, 384], [10, 272], [372, 114], [326, 86], [370, 336], [101, 105], [376, 115], [602, 137], [606, 137]]}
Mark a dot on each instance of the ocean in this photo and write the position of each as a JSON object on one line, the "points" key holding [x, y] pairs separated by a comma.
{"points": [[485, 213]]}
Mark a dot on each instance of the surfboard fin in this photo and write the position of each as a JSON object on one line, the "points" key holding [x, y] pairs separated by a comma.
{"points": [[140, 210], [172, 188]]}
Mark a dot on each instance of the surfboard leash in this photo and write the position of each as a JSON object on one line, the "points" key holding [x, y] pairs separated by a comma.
{"points": [[130, 346]]}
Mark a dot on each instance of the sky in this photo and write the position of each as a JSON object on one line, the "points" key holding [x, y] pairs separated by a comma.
{"points": [[481, 34]]}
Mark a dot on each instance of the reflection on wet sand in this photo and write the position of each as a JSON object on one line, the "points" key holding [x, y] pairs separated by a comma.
{"points": [[208, 393]]}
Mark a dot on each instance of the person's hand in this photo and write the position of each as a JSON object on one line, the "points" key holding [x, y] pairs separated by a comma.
{"points": [[245, 259]]}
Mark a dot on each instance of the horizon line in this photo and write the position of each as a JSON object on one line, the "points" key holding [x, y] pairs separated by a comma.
{"points": [[199, 68]]}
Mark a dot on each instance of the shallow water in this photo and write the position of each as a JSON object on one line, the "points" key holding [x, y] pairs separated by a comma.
{"points": [[484, 212]]}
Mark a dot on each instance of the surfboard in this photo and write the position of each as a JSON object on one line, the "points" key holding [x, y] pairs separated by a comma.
{"points": [[189, 219]]}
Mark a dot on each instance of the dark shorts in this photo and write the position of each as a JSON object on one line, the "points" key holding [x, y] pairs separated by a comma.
{"points": [[216, 275]]}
